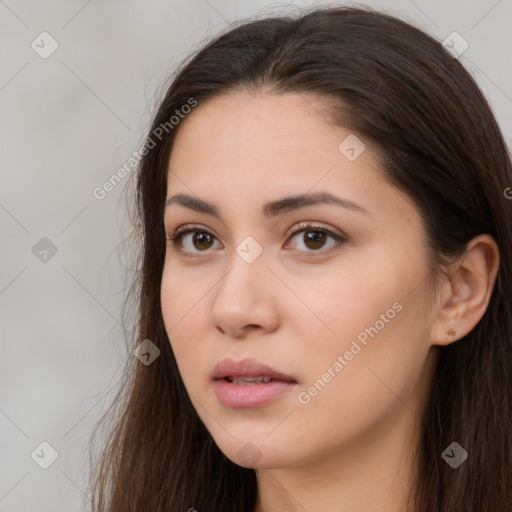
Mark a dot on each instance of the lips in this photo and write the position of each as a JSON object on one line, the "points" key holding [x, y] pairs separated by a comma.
{"points": [[246, 370], [249, 383]]}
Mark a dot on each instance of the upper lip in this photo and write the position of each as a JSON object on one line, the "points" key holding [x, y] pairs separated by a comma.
{"points": [[247, 368]]}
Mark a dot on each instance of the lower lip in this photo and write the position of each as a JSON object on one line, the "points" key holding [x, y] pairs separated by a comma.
{"points": [[249, 395]]}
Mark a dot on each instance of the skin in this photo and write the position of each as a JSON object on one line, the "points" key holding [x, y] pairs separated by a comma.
{"points": [[297, 308]]}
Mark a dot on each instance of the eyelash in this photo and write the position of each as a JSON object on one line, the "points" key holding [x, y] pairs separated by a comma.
{"points": [[191, 228]]}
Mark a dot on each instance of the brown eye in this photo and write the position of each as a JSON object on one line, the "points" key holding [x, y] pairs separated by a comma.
{"points": [[314, 239], [202, 240]]}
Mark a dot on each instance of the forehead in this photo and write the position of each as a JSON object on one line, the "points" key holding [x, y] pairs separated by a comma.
{"points": [[240, 151], [259, 137]]}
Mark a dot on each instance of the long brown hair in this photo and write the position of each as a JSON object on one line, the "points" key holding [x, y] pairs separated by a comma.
{"points": [[398, 88]]}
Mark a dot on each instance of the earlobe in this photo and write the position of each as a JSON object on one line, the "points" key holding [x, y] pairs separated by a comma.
{"points": [[466, 291]]}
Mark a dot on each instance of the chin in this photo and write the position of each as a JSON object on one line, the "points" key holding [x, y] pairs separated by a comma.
{"points": [[256, 454]]}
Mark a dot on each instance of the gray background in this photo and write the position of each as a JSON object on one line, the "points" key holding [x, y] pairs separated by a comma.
{"points": [[68, 123]]}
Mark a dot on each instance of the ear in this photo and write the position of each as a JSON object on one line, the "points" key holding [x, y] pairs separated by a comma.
{"points": [[466, 291]]}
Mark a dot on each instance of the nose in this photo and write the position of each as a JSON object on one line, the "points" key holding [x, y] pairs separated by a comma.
{"points": [[245, 299]]}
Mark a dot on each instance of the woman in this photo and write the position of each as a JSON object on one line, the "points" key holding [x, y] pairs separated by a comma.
{"points": [[325, 281]]}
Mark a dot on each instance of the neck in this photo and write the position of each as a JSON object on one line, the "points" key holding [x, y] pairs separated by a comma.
{"points": [[374, 472]]}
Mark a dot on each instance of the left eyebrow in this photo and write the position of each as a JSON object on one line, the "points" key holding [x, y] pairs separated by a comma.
{"points": [[272, 208], [289, 203]]}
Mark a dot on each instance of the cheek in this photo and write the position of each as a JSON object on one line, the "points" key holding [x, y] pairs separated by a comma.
{"points": [[334, 305], [374, 318], [185, 318], [373, 382], [373, 367], [182, 296]]}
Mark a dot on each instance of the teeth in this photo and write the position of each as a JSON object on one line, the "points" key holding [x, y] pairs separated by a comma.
{"points": [[250, 380]]}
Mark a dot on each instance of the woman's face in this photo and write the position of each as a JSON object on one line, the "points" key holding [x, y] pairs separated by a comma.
{"points": [[344, 319]]}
